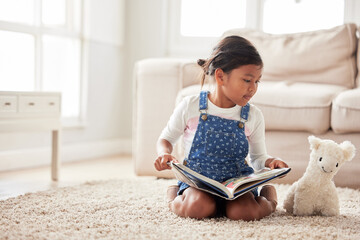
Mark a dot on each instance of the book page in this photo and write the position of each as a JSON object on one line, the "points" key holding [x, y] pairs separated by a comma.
{"points": [[264, 173], [197, 180]]}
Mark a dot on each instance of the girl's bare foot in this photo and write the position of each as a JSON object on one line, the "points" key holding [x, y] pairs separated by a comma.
{"points": [[171, 193], [269, 192]]}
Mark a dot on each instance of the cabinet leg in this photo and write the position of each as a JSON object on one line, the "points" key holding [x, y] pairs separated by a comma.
{"points": [[55, 158]]}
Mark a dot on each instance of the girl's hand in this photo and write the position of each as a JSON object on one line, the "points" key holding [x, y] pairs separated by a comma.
{"points": [[275, 163], [162, 160]]}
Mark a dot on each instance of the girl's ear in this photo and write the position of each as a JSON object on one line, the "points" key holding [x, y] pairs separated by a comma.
{"points": [[219, 76]]}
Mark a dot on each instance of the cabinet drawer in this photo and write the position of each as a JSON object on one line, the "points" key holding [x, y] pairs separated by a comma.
{"points": [[8, 104], [39, 104]]}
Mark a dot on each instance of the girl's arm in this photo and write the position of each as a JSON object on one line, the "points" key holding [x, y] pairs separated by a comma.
{"points": [[164, 146], [170, 134], [258, 154], [164, 149]]}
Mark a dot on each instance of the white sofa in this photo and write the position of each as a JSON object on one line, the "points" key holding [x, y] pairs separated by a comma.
{"points": [[309, 87]]}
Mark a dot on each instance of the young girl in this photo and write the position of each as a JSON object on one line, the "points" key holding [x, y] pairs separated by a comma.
{"points": [[219, 128]]}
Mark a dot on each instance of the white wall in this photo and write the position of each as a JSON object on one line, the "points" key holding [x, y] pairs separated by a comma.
{"points": [[146, 37], [107, 129], [119, 33]]}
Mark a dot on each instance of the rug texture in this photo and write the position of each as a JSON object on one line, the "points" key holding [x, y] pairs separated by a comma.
{"points": [[136, 209]]}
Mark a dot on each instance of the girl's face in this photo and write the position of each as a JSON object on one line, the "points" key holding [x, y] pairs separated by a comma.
{"points": [[238, 86]]}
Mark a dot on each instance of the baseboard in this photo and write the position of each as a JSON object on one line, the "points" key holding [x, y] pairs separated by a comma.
{"points": [[25, 158]]}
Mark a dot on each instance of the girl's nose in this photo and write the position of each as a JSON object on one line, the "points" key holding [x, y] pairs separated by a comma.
{"points": [[253, 87]]}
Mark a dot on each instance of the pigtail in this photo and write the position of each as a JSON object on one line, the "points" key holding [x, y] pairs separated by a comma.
{"points": [[203, 64]]}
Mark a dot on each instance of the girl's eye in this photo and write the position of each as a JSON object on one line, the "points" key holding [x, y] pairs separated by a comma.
{"points": [[337, 164], [249, 81], [320, 159]]}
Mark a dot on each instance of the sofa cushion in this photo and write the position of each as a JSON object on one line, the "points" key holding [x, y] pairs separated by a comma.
{"points": [[324, 56], [345, 115], [296, 106], [290, 106]]}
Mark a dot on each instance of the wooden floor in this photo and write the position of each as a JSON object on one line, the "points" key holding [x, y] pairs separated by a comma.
{"points": [[14, 183]]}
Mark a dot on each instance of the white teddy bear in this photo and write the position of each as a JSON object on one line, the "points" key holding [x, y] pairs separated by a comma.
{"points": [[315, 192]]}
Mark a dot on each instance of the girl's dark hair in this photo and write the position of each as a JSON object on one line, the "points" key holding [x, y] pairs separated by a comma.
{"points": [[230, 53]]}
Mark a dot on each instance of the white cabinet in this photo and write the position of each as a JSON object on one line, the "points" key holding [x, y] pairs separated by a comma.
{"points": [[39, 104], [33, 111], [8, 103]]}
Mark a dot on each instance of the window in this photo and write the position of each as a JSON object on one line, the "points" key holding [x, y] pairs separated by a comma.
{"points": [[210, 18], [196, 25], [17, 52], [41, 49], [290, 16]]}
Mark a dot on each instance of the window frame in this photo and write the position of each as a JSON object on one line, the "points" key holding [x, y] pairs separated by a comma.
{"points": [[185, 46], [71, 31]]}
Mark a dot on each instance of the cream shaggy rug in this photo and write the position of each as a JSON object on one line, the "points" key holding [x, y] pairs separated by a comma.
{"points": [[136, 209]]}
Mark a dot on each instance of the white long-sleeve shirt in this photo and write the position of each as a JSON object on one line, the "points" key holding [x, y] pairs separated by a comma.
{"points": [[185, 119]]}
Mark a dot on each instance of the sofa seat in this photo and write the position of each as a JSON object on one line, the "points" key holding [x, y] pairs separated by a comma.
{"points": [[345, 115]]}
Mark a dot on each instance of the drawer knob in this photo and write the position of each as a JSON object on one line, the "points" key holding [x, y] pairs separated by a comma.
{"points": [[51, 103], [7, 104], [31, 103]]}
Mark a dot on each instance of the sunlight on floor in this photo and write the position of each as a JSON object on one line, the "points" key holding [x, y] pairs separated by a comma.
{"points": [[14, 183]]}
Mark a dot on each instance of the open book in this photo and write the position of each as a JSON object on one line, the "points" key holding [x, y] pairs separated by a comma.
{"points": [[231, 188]]}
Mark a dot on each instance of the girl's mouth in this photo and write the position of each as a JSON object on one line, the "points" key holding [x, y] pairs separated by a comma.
{"points": [[247, 97]]}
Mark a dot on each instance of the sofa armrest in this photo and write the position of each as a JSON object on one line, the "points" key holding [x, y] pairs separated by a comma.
{"points": [[156, 85]]}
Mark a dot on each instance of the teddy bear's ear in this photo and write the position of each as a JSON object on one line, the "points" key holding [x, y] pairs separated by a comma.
{"points": [[349, 150], [314, 142]]}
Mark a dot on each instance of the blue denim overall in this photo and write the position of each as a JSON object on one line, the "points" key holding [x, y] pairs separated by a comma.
{"points": [[219, 147]]}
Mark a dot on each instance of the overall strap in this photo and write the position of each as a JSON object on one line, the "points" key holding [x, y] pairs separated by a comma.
{"points": [[244, 114], [203, 103]]}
